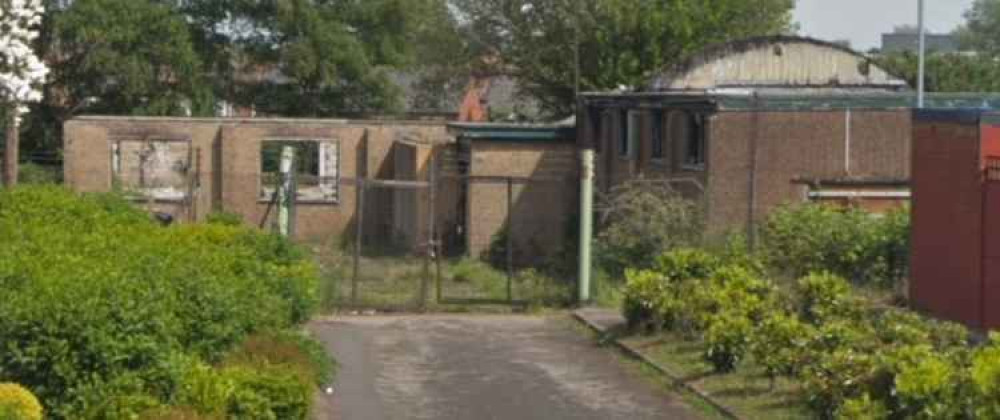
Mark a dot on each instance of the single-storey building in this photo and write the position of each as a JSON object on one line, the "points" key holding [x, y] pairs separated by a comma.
{"points": [[748, 126]]}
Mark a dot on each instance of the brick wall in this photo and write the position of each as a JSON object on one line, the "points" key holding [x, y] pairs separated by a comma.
{"points": [[231, 162], [796, 145], [947, 224], [542, 207]]}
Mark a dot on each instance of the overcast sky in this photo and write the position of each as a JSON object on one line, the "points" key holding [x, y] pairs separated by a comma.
{"points": [[863, 21]]}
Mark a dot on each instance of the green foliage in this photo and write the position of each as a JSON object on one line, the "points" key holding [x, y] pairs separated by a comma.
{"points": [[95, 297], [224, 218], [35, 174], [946, 72], [928, 386], [727, 340], [642, 219], [619, 41], [985, 373], [863, 408], [850, 243], [781, 344], [135, 57], [687, 264], [981, 31], [824, 297], [836, 377], [17, 403], [295, 351], [649, 301]]}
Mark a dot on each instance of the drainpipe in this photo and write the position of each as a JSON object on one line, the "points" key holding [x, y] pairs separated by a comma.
{"points": [[586, 221], [752, 205], [847, 142]]}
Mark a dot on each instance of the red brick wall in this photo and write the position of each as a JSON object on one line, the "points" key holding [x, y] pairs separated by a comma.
{"points": [[791, 146], [947, 224]]}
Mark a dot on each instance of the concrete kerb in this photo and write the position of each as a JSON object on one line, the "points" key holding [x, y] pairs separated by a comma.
{"points": [[636, 354]]}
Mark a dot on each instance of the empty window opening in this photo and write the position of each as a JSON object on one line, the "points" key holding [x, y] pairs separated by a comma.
{"points": [[656, 136], [317, 169], [159, 169], [694, 143]]}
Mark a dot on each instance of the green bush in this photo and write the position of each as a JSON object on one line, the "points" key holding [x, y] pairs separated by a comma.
{"points": [[294, 350], [29, 173], [727, 340], [268, 393], [648, 300], [824, 297], [781, 344], [17, 403], [985, 373], [687, 264], [863, 408], [850, 243], [224, 218], [94, 296], [928, 385], [641, 219]]}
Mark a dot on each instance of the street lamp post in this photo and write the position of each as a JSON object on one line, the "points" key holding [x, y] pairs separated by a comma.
{"points": [[923, 48]]}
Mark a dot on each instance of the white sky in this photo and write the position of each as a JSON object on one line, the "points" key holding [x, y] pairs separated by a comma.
{"points": [[863, 21]]}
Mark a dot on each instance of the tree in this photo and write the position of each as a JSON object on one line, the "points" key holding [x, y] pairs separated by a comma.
{"points": [[307, 57], [947, 72], [21, 71], [981, 32], [131, 57], [617, 42]]}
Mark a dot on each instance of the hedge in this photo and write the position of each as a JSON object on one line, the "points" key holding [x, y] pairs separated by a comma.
{"points": [[96, 299]]}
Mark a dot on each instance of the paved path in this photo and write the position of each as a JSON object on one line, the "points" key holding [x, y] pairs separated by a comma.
{"points": [[480, 367]]}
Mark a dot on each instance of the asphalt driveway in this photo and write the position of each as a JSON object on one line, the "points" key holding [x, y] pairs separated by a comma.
{"points": [[480, 367]]}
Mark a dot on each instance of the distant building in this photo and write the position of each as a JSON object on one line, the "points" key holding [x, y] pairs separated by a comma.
{"points": [[910, 42]]}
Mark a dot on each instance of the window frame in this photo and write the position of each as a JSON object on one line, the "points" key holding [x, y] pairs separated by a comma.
{"points": [[265, 193], [695, 134], [658, 140], [144, 192]]}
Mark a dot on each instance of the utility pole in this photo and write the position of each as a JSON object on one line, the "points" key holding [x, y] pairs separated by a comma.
{"points": [[923, 54]]}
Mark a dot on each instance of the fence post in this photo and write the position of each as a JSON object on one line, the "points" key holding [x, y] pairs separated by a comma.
{"points": [[359, 212], [586, 222], [285, 197]]}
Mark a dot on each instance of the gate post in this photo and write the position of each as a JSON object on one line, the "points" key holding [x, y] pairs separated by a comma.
{"points": [[586, 222]]}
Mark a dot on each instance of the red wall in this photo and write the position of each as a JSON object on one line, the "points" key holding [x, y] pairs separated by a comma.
{"points": [[946, 264]]}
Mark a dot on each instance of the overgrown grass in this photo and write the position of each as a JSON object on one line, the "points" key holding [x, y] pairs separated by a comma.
{"points": [[398, 282]]}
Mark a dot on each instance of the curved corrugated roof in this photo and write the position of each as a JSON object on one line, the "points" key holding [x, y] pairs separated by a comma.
{"points": [[785, 61]]}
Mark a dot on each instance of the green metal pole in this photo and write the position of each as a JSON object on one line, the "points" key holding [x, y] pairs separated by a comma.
{"points": [[586, 221]]}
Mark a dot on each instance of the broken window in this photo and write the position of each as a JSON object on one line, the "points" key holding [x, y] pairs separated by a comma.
{"points": [[656, 137], [317, 169], [629, 136], [694, 145], [152, 168]]}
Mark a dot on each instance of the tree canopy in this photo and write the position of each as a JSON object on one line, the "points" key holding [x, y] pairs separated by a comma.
{"points": [[620, 42]]}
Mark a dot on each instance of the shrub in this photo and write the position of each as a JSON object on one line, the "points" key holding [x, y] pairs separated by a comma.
{"points": [[95, 296], [850, 243], [838, 376], [644, 218], [825, 296], [727, 340], [294, 350], [17, 403], [268, 393], [781, 344], [927, 385], [687, 264], [647, 300], [985, 372], [863, 408], [224, 218]]}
